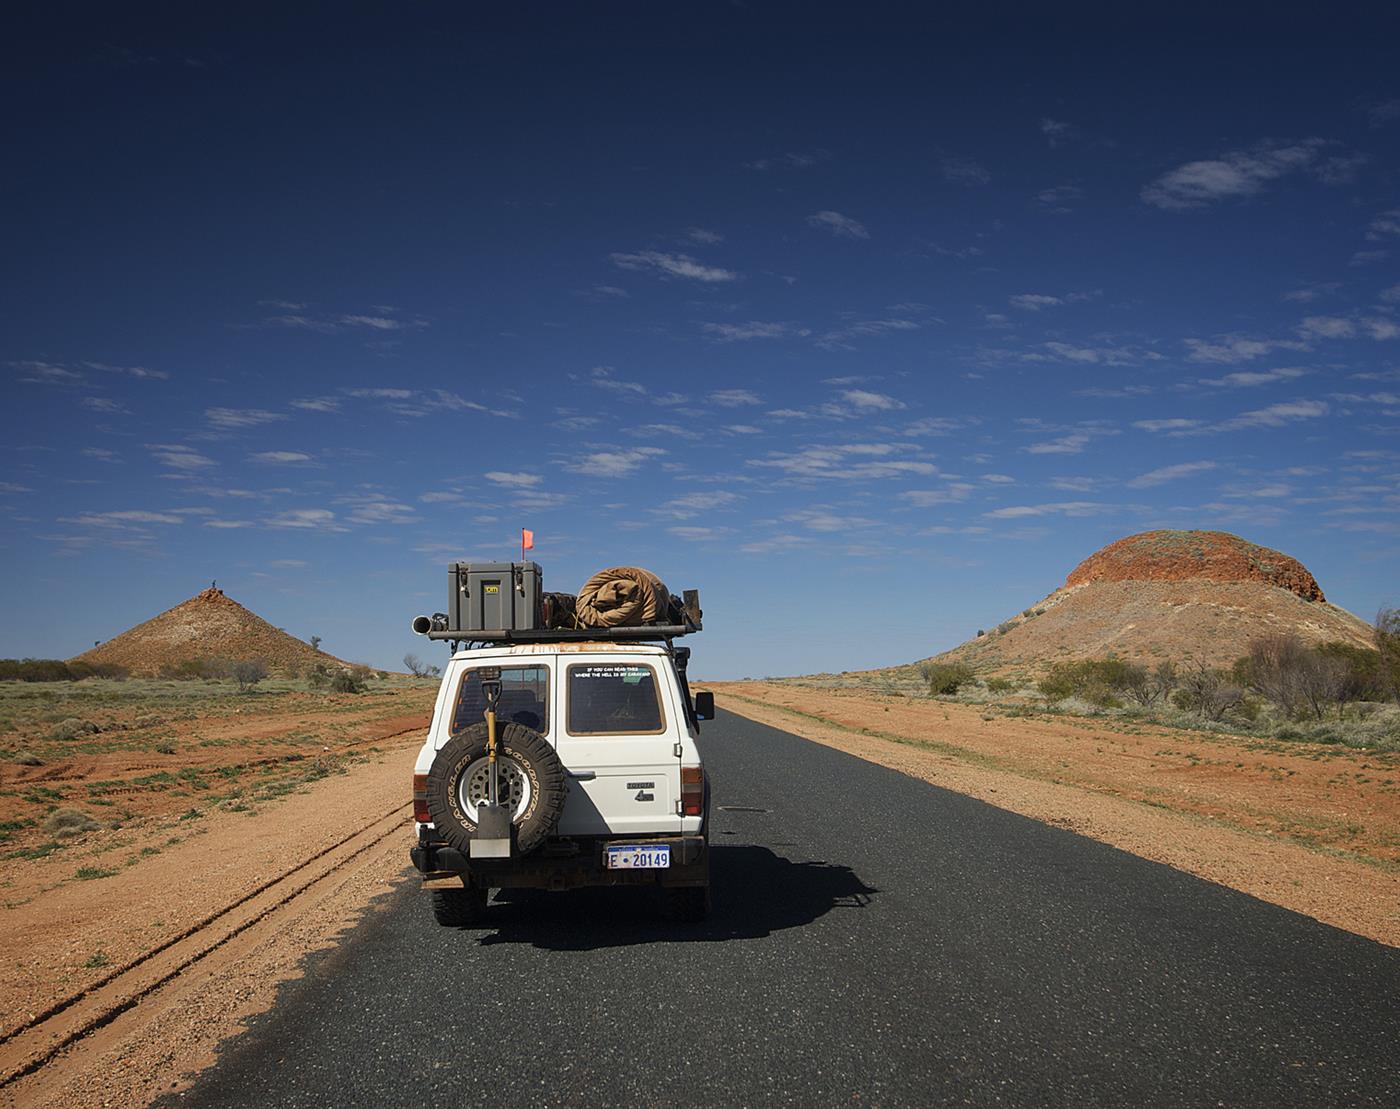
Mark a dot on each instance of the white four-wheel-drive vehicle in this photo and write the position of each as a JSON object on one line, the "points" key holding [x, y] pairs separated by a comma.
{"points": [[596, 769]]}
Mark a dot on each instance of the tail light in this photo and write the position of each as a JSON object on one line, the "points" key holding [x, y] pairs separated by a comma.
{"points": [[420, 799], [692, 791]]}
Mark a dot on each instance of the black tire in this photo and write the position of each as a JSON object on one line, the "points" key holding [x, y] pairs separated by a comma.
{"points": [[459, 908], [513, 741], [688, 904]]}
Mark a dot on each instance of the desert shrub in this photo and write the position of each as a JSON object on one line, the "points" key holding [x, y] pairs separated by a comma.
{"points": [[72, 728], [317, 675], [1097, 681], [28, 758], [248, 672], [1208, 692], [1005, 627], [1387, 633], [1148, 688], [346, 681], [1300, 679], [415, 666], [165, 747], [67, 823], [946, 678], [1000, 685]]}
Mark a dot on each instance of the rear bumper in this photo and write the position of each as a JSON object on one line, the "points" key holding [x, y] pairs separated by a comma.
{"points": [[690, 866]]}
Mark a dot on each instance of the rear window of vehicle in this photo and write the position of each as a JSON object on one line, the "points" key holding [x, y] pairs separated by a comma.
{"points": [[609, 699], [524, 699]]}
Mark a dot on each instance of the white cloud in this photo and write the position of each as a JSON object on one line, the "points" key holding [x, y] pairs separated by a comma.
{"points": [[1170, 473], [837, 339], [46, 373], [790, 161], [754, 329], [1367, 257], [1233, 349], [1276, 415], [613, 463], [1380, 328], [1068, 444], [279, 458], [305, 519], [1057, 199], [1033, 302], [1391, 295], [1057, 131], [178, 456], [694, 504], [1387, 223], [672, 265], [1167, 425], [231, 418], [933, 425], [1059, 508], [122, 519], [317, 404], [1239, 173], [106, 405], [693, 534], [1326, 327], [964, 171], [513, 480], [852, 461], [734, 398], [865, 401], [1247, 380], [704, 236], [843, 227], [953, 493], [100, 454], [139, 372]]}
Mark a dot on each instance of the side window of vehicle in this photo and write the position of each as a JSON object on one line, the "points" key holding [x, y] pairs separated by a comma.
{"points": [[614, 699], [524, 699]]}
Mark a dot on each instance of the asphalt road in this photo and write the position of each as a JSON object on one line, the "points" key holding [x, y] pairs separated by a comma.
{"points": [[874, 940]]}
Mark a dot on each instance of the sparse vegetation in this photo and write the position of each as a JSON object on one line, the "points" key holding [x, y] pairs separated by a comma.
{"points": [[945, 678], [67, 823], [56, 670], [88, 873], [248, 672]]}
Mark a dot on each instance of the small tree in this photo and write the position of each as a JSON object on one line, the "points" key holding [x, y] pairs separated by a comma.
{"points": [[1388, 644], [946, 678], [248, 672], [315, 642], [415, 666], [346, 681], [1207, 691]]}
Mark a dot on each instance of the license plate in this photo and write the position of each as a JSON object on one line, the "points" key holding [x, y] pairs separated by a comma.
{"points": [[648, 857]]}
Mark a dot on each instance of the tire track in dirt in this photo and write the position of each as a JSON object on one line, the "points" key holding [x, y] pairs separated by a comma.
{"points": [[31, 1045]]}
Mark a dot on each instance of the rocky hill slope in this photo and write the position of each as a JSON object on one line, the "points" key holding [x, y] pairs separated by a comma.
{"points": [[1165, 595], [209, 625]]}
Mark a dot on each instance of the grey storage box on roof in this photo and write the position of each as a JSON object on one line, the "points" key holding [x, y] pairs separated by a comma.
{"points": [[493, 596]]}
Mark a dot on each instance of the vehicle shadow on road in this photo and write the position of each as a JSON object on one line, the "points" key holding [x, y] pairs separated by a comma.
{"points": [[756, 892]]}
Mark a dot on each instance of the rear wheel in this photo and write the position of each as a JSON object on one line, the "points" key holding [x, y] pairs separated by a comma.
{"points": [[459, 908]]}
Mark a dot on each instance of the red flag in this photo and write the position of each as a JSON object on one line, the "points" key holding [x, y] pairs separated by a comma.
{"points": [[527, 540]]}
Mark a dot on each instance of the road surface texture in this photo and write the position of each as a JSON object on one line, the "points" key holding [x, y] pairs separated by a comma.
{"points": [[875, 940]]}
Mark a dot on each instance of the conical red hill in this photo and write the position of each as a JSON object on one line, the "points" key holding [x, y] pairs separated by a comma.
{"points": [[1164, 595], [1195, 556], [209, 625]]}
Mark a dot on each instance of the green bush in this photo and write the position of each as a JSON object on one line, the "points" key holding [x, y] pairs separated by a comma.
{"points": [[346, 681], [1000, 685], [946, 678], [72, 728], [56, 670]]}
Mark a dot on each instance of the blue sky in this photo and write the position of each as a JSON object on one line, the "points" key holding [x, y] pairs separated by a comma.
{"points": [[869, 330]]}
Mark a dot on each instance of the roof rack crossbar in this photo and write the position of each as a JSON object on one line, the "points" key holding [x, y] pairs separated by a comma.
{"points": [[568, 635]]}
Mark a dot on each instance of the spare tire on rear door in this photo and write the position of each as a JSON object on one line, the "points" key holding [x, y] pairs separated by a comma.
{"points": [[531, 780]]}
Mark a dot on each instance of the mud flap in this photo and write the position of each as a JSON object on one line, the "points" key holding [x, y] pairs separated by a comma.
{"points": [[492, 839]]}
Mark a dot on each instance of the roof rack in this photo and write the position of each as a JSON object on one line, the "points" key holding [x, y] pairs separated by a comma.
{"points": [[651, 632]]}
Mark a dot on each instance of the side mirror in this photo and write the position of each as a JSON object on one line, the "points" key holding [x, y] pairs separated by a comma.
{"points": [[705, 705]]}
